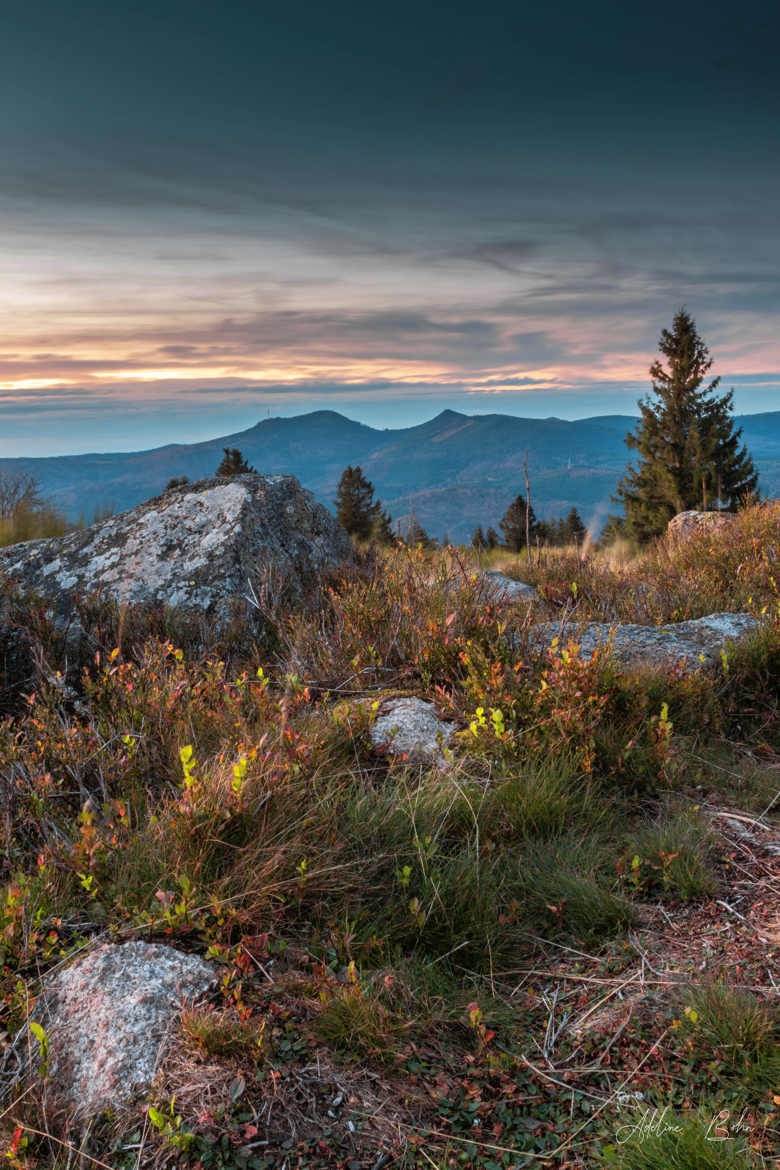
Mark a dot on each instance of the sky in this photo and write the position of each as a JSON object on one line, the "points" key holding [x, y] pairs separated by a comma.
{"points": [[213, 212]]}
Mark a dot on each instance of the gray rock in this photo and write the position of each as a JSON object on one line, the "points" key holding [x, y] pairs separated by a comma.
{"points": [[693, 523], [695, 643], [507, 589], [200, 548], [107, 1018], [495, 586], [411, 727]]}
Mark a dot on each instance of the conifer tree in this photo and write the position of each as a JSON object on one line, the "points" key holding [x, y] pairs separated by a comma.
{"points": [[416, 534], [689, 452], [478, 539], [573, 528], [356, 508], [513, 524], [491, 538], [233, 463], [383, 531]]}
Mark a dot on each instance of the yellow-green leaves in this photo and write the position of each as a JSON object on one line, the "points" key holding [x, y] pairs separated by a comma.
{"points": [[188, 764]]}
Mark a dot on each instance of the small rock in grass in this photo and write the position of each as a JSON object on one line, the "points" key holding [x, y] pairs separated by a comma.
{"points": [[507, 589], [107, 1018], [412, 728]]}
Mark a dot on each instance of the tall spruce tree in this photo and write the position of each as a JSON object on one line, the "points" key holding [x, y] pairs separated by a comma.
{"points": [[416, 534], [573, 529], [513, 524], [689, 451], [356, 508]]}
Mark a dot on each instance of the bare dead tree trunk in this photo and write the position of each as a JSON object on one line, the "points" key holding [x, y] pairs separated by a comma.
{"points": [[527, 507]]}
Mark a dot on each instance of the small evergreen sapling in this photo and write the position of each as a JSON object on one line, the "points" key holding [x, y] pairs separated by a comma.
{"points": [[234, 463]]}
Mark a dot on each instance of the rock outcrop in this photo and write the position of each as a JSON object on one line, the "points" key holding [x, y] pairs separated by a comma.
{"points": [[495, 586], [693, 523], [411, 728], [107, 1018], [694, 643], [200, 547], [507, 589]]}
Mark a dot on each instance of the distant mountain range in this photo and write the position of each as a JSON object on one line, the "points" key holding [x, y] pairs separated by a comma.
{"points": [[452, 473]]}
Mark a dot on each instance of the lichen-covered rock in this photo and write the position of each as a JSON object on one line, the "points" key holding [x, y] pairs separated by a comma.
{"points": [[411, 727], [107, 1018], [200, 547], [507, 589], [495, 586], [694, 643], [693, 523]]}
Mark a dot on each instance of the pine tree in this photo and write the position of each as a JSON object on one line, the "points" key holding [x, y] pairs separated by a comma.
{"points": [[234, 463], [689, 452], [478, 539], [382, 531], [356, 508], [573, 528], [513, 524], [491, 538], [416, 534]]}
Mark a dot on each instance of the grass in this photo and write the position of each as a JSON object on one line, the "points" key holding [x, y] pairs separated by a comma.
{"points": [[222, 1033], [353, 1020], [739, 1031], [671, 857], [454, 952]]}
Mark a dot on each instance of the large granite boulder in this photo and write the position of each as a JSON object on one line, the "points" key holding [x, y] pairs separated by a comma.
{"points": [[694, 643], [199, 547], [107, 1018], [693, 523]]}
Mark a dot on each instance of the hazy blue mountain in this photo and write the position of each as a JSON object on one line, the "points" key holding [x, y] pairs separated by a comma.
{"points": [[453, 472]]}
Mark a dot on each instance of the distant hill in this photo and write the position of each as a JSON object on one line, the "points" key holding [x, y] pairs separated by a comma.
{"points": [[453, 472]]}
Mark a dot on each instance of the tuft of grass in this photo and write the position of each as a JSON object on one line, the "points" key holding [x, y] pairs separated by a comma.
{"points": [[738, 1031], [541, 799], [221, 1033], [672, 858], [567, 895], [354, 1021]]}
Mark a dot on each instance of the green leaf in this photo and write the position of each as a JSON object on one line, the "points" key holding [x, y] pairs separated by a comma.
{"points": [[38, 1032]]}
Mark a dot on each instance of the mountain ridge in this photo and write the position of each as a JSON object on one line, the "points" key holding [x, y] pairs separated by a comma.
{"points": [[452, 471]]}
